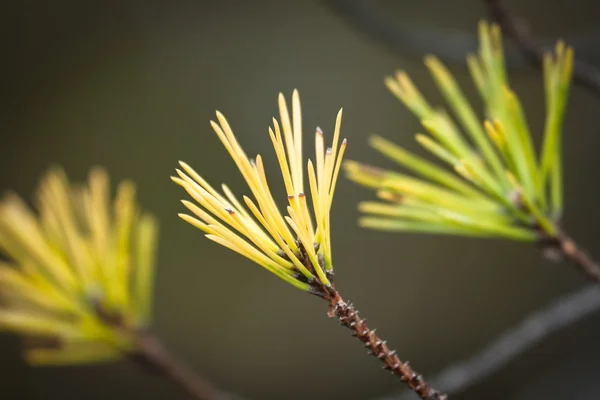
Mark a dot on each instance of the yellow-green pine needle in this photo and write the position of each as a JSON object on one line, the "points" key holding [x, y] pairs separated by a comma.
{"points": [[528, 171], [479, 177], [143, 280], [468, 172], [404, 89], [416, 210], [496, 133], [557, 78], [56, 192], [398, 211], [124, 220], [28, 323], [17, 285], [75, 352], [365, 175], [498, 51], [462, 108], [438, 150], [395, 225], [547, 226], [478, 76], [22, 239], [441, 126], [492, 64], [285, 233], [421, 166], [498, 99], [489, 226], [79, 257], [433, 194]]}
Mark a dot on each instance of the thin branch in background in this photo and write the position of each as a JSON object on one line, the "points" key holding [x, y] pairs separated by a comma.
{"points": [[562, 313], [404, 37], [150, 352], [518, 30]]}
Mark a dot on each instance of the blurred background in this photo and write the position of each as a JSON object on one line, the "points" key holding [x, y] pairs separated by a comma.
{"points": [[131, 85]]}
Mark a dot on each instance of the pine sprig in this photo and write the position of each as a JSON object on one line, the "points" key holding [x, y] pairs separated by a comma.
{"points": [[487, 179]]}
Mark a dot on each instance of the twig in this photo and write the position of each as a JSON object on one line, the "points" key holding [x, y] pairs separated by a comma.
{"points": [[562, 313], [151, 353], [583, 74], [404, 37], [562, 246], [348, 317]]}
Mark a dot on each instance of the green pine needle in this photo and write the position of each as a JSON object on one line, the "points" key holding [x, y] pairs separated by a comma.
{"points": [[493, 183]]}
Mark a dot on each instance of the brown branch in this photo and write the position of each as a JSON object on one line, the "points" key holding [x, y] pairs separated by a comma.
{"points": [[402, 36], [562, 246], [348, 317], [517, 30], [151, 353]]}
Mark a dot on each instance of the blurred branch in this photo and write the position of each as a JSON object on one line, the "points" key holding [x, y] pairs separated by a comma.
{"points": [[518, 30], [151, 353], [450, 45], [562, 246], [562, 313], [402, 37]]}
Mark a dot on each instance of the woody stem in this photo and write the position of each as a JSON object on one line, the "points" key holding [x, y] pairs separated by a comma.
{"points": [[572, 252], [348, 317], [151, 353]]}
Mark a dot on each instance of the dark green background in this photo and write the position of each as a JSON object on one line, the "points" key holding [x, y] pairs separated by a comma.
{"points": [[131, 85]]}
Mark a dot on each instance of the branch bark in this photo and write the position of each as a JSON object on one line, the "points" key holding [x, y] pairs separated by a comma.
{"points": [[151, 353], [403, 37], [348, 317], [566, 248]]}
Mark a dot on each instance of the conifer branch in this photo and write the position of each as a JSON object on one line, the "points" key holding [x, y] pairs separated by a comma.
{"points": [[561, 246], [150, 352], [348, 317]]}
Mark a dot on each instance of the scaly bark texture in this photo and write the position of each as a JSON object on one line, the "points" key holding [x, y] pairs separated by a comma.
{"points": [[348, 316]]}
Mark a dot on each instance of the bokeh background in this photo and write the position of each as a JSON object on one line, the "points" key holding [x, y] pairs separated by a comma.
{"points": [[131, 85]]}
